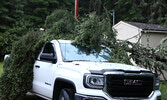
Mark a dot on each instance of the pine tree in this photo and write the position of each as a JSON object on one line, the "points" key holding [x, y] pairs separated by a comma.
{"points": [[36, 10], [128, 10], [5, 19], [159, 11]]}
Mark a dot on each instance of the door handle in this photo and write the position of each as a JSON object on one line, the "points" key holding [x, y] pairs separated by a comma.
{"points": [[37, 66]]}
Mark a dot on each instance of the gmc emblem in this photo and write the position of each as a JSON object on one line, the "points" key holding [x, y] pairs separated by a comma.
{"points": [[132, 82]]}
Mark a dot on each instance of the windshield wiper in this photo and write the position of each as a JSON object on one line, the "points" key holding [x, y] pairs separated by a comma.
{"points": [[68, 60], [81, 60], [74, 60]]}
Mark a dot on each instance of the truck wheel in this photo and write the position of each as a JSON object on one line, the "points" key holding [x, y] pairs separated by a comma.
{"points": [[66, 94]]}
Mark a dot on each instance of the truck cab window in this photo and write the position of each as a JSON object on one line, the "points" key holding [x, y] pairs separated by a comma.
{"points": [[48, 53], [48, 49]]}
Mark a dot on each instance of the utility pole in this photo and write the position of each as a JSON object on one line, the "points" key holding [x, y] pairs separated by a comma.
{"points": [[113, 17], [76, 9]]}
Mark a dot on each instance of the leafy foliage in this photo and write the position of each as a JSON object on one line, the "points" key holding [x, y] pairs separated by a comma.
{"points": [[36, 11], [6, 19], [134, 11], [20, 28], [120, 54], [151, 58], [17, 70], [60, 25], [159, 12], [6, 41], [19, 16], [147, 11], [92, 33]]}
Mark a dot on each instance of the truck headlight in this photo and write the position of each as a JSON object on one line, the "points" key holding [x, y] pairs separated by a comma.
{"points": [[157, 82], [93, 81]]}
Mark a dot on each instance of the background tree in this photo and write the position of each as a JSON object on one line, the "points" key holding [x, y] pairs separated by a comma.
{"points": [[6, 19], [19, 16], [129, 10], [10, 13], [18, 68], [18, 74], [159, 11], [36, 11]]}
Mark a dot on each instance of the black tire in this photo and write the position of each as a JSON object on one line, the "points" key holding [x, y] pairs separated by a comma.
{"points": [[66, 94]]}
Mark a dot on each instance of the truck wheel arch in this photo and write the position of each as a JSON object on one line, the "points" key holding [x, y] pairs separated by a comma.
{"points": [[59, 84]]}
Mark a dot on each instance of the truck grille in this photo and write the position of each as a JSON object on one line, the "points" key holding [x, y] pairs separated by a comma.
{"points": [[129, 86]]}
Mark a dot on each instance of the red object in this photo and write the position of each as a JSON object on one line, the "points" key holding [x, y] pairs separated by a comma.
{"points": [[76, 9]]}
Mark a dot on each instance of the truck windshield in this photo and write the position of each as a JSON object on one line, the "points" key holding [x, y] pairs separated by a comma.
{"points": [[78, 53]]}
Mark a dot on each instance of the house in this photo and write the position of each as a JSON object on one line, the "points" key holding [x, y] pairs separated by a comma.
{"points": [[146, 34]]}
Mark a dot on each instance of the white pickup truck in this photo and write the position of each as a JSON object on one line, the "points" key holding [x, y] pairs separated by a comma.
{"points": [[63, 71]]}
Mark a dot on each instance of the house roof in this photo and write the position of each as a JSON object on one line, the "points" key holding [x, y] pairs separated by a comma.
{"points": [[145, 26]]}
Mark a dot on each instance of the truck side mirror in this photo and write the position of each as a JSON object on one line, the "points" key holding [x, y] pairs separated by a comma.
{"points": [[48, 57], [6, 56]]}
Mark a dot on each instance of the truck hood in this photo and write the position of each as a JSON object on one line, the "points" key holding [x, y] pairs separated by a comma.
{"points": [[103, 66]]}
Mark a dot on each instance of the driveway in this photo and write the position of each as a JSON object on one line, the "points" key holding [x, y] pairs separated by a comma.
{"points": [[30, 96]]}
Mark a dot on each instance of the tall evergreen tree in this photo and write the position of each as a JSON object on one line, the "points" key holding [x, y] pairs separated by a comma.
{"points": [[128, 10], [10, 13], [36, 10], [83, 7], [145, 9], [16, 9], [159, 11], [5, 19]]}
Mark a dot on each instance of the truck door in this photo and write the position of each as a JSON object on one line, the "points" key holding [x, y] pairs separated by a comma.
{"points": [[44, 70]]}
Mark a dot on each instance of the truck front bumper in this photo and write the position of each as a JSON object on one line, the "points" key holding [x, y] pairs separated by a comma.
{"points": [[78, 96], [86, 97]]}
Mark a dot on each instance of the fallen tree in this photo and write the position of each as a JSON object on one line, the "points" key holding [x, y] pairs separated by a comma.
{"points": [[17, 76], [95, 32], [91, 32]]}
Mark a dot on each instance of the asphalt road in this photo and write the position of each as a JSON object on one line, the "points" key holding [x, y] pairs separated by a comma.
{"points": [[30, 96]]}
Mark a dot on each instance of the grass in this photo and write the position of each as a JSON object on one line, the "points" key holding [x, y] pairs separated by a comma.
{"points": [[1, 68], [163, 85], [163, 89]]}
